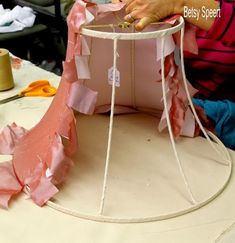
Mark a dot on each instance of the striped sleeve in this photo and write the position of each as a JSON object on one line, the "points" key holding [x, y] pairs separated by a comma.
{"points": [[223, 28]]}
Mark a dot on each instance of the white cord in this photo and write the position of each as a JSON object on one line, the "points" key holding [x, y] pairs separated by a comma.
{"points": [[190, 100], [169, 123], [110, 128], [133, 95]]}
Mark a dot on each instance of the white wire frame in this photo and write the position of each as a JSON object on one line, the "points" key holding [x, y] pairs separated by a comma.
{"points": [[100, 216]]}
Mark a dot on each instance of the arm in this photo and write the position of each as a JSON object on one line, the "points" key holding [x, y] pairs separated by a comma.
{"points": [[148, 11]]}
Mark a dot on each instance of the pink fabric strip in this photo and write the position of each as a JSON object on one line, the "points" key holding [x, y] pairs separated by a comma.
{"points": [[60, 163], [109, 7], [9, 137], [9, 184], [44, 191], [82, 98], [69, 72], [75, 19]]}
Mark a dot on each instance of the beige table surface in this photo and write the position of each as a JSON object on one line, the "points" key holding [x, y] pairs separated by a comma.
{"points": [[25, 222]]}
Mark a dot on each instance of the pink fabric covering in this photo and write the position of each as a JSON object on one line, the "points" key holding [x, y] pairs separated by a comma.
{"points": [[40, 159]]}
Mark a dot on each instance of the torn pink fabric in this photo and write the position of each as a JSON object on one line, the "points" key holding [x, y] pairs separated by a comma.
{"points": [[40, 150], [45, 188], [82, 99], [41, 156], [9, 184], [177, 105], [9, 137], [104, 9]]}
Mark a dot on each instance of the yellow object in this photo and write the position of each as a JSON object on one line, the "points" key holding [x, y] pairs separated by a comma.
{"points": [[37, 88], [6, 77], [124, 25]]}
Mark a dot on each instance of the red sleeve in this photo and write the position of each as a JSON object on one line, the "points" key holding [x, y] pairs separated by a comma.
{"points": [[223, 28]]}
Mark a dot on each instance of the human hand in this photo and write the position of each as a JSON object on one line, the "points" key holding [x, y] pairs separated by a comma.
{"points": [[145, 12], [150, 11]]}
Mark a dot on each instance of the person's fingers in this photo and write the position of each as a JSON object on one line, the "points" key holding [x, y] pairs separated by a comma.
{"points": [[143, 22], [128, 2], [129, 18], [131, 7], [132, 16]]}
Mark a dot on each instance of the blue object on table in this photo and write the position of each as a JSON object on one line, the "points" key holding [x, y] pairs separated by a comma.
{"points": [[223, 114]]}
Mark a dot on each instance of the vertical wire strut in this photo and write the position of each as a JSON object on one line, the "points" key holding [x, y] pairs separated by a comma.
{"points": [[223, 155], [110, 128], [193, 201], [133, 93]]}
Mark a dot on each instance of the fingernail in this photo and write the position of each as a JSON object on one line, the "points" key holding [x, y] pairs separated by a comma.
{"points": [[138, 27]]}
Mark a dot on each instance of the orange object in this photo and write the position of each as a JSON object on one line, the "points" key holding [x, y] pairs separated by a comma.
{"points": [[36, 88]]}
